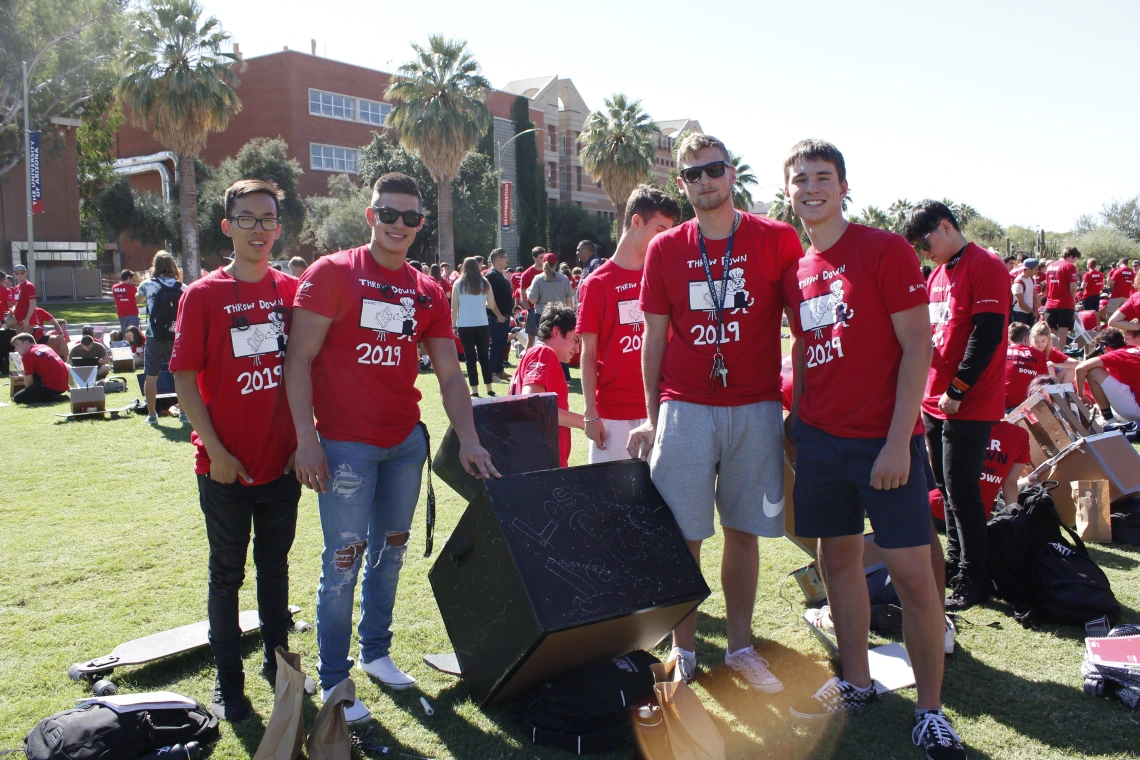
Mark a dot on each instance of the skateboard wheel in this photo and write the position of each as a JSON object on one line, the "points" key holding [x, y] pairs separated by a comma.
{"points": [[105, 688], [301, 626], [74, 672]]}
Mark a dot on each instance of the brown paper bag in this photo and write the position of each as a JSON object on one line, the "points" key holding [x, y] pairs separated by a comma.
{"points": [[329, 740], [1094, 510], [692, 733], [285, 732]]}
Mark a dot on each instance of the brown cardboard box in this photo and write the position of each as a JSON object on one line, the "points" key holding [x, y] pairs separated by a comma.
{"points": [[1048, 428], [122, 360], [88, 400], [1093, 510], [1108, 456], [1072, 409], [16, 385]]}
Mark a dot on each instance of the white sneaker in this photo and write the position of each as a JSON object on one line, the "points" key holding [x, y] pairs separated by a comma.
{"points": [[686, 662], [386, 672], [354, 713], [821, 619], [754, 669], [948, 645]]}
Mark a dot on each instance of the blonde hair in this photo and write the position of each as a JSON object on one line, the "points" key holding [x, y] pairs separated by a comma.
{"points": [[164, 265], [1039, 329], [549, 270]]}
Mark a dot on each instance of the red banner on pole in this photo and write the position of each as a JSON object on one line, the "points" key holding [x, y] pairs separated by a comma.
{"points": [[505, 191]]}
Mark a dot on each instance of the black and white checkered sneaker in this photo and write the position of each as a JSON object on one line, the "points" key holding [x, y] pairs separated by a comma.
{"points": [[933, 732], [834, 697]]}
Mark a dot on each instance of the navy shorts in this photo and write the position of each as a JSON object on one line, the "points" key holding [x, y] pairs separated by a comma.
{"points": [[833, 490]]}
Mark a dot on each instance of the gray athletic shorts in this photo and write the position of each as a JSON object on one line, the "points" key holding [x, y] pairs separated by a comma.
{"points": [[728, 456], [155, 352]]}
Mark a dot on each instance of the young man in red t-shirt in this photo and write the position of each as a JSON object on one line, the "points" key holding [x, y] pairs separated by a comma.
{"points": [[1023, 363], [610, 323], [23, 298], [965, 391], [857, 307], [540, 369], [1114, 380], [357, 319], [1061, 294], [534, 270], [45, 374], [227, 359], [1092, 285], [1121, 278], [126, 300], [713, 434], [1126, 316]]}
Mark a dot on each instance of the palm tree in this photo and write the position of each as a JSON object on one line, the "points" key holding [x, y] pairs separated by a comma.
{"points": [[780, 209], [873, 216], [898, 212], [618, 149], [440, 112], [741, 197], [179, 80]]}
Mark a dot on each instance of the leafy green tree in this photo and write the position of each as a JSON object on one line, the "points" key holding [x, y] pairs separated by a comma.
{"points": [[570, 224], [476, 205], [672, 189], [530, 192], [618, 149], [95, 142], [741, 197], [898, 212], [260, 158], [873, 216], [1105, 244], [780, 209], [1123, 215], [179, 81], [1084, 223], [68, 45], [336, 221], [439, 112], [145, 217], [985, 232]]}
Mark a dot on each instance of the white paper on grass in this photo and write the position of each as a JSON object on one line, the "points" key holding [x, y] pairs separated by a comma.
{"points": [[151, 700], [890, 667]]}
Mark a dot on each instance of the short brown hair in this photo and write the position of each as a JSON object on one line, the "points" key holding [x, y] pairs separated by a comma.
{"points": [[815, 150], [297, 261], [537, 251], [25, 337], [697, 141], [1070, 252], [1018, 331], [647, 202], [396, 183], [245, 187]]}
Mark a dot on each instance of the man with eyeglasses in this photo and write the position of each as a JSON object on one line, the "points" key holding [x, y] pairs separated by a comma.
{"points": [[23, 299], [357, 319], [227, 362], [714, 434], [965, 390]]}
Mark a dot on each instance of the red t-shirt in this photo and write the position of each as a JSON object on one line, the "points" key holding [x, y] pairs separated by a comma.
{"points": [[787, 388], [1124, 365], [1092, 283], [1130, 309], [42, 361], [1022, 364], [364, 377], [516, 279], [841, 301], [124, 293], [674, 283], [1059, 276], [22, 296], [540, 366], [976, 284], [527, 277], [239, 371], [5, 294], [608, 307], [40, 319], [1121, 279], [1009, 447]]}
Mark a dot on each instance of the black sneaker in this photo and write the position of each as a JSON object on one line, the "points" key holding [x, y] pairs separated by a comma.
{"points": [[834, 697], [230, 702], [933, 732], [965, 595]]}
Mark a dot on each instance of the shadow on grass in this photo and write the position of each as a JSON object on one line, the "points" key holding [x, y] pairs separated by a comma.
{"points": [[1112, 559], [179, 434]]}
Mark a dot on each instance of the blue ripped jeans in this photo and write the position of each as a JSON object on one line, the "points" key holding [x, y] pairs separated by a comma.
{"points": [[372, 494]]}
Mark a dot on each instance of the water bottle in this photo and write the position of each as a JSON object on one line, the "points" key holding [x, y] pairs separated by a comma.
{"points": [[187, 751]]}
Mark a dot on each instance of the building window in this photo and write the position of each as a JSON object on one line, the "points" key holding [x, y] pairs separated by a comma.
{"points": [[333, 106], [553, 178], [566, 143], [331, 158], [553, 139], [563, 179], [578, 171]]}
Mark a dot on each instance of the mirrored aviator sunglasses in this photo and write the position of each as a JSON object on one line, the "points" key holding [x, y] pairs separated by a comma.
{"points": [[388, 215], [714, 170]]}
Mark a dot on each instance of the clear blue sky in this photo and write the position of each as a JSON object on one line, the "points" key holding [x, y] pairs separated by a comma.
{"points": [[1029, 111]]}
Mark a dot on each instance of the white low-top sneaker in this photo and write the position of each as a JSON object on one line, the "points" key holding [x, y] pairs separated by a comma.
{"points": [[354, 713], [386, 672], [754, 669], [686, 663]]}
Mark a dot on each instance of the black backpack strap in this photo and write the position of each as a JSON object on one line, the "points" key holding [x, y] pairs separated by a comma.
{"points": [[599, 741], [429, 521]]}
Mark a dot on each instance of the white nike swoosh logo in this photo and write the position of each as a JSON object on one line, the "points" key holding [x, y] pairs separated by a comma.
{"points": [[770, 509]]}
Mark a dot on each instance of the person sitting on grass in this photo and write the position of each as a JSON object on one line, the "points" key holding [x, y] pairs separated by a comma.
{"points": [[1113, 377], [88, 352], [1060, 364], [45, 374], [540, 368]]}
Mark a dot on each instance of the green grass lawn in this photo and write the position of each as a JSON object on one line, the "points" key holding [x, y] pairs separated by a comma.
{"points": [[102, 542], [81, 312]]}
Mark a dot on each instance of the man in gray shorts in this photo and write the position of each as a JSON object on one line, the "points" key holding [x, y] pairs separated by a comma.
{"points": [[164, 273], [714, 435]]}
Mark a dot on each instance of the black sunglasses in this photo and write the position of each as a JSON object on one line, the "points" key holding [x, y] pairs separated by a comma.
{"points": [[715, 169], [389, 215], [922, 245]]}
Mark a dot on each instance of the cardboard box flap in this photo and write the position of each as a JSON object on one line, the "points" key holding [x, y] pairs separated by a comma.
{"points": [[83, 377]]}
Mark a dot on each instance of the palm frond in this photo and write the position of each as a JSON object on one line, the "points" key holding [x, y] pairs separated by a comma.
{"points": [[617, 147]]}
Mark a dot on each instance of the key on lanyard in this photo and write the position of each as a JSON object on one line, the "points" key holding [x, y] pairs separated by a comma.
{"points": [[720, 369]]}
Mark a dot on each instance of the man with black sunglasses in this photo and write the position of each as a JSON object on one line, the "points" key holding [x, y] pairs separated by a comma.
{"points": [[358, 317], [227, 362], [714, 434]]}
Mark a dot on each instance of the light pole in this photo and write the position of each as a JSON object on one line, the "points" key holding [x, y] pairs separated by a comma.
{"points": [[499, 189], [28, 179]]}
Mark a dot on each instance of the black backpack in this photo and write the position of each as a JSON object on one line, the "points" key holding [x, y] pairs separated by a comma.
{"points": [[1066, 586], [1014, 534], [1126, 521], [164, 311], [96, 732], [589, 708]]}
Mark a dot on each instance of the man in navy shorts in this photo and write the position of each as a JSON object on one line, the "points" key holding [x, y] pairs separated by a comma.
{"points": [[857, 306]]}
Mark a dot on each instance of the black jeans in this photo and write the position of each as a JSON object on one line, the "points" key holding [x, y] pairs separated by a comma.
{"points": [[35, 392], [230, 509], [476, 347], [500, 331], [957, 456]]}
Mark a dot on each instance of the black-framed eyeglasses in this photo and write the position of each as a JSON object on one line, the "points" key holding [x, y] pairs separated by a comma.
{"points": [[922, 245], [249, 222], [714, 170], [388, 215]]}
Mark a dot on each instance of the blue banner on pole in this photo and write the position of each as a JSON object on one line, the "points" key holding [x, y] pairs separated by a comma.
{"points": [[34, 164]]}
